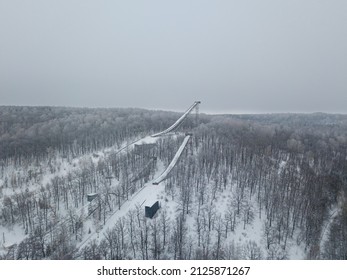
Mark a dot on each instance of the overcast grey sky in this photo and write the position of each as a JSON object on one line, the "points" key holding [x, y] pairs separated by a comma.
{"points": [[234, 56]]}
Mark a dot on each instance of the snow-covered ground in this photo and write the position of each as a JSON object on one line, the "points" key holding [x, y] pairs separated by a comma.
{"points": [[334, 211], [147, 193], [9, 237], [243, 233], [62, 166]]}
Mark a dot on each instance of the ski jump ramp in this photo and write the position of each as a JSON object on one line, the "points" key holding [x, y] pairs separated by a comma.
{"points": [[172, 164], [178, 122]]}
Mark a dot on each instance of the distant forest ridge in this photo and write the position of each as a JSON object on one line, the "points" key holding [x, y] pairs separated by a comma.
{"points": [[26, 131]]}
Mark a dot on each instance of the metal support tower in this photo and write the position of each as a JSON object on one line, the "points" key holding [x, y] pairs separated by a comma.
{"points": [[197, 114]]}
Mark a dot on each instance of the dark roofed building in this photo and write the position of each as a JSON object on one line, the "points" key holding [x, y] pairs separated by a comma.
{"points": [[150, 211], [91, 196]]}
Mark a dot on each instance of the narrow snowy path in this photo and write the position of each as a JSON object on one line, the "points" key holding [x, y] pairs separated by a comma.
{"points": [[326, 226]]}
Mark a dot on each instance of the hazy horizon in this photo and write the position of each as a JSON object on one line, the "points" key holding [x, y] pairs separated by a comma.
{"points": [[181, 110], [235, 56]]}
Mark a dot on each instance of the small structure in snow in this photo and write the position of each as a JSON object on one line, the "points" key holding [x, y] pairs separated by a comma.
{"points": [[143, 148], [91, 196], [151, 210], [9, 247]]}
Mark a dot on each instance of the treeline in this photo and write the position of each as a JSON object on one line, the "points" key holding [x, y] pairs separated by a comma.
{"points": [[29, 132]]}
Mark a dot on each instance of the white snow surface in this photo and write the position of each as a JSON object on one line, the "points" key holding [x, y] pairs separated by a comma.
{"points": [[10, 237], [148, 193]]}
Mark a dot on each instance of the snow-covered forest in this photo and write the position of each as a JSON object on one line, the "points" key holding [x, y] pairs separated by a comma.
{"points": [[74, 183]]}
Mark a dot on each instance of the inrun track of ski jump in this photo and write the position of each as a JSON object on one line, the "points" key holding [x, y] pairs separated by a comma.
{"points": [[172, 164], [179, 121]]}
